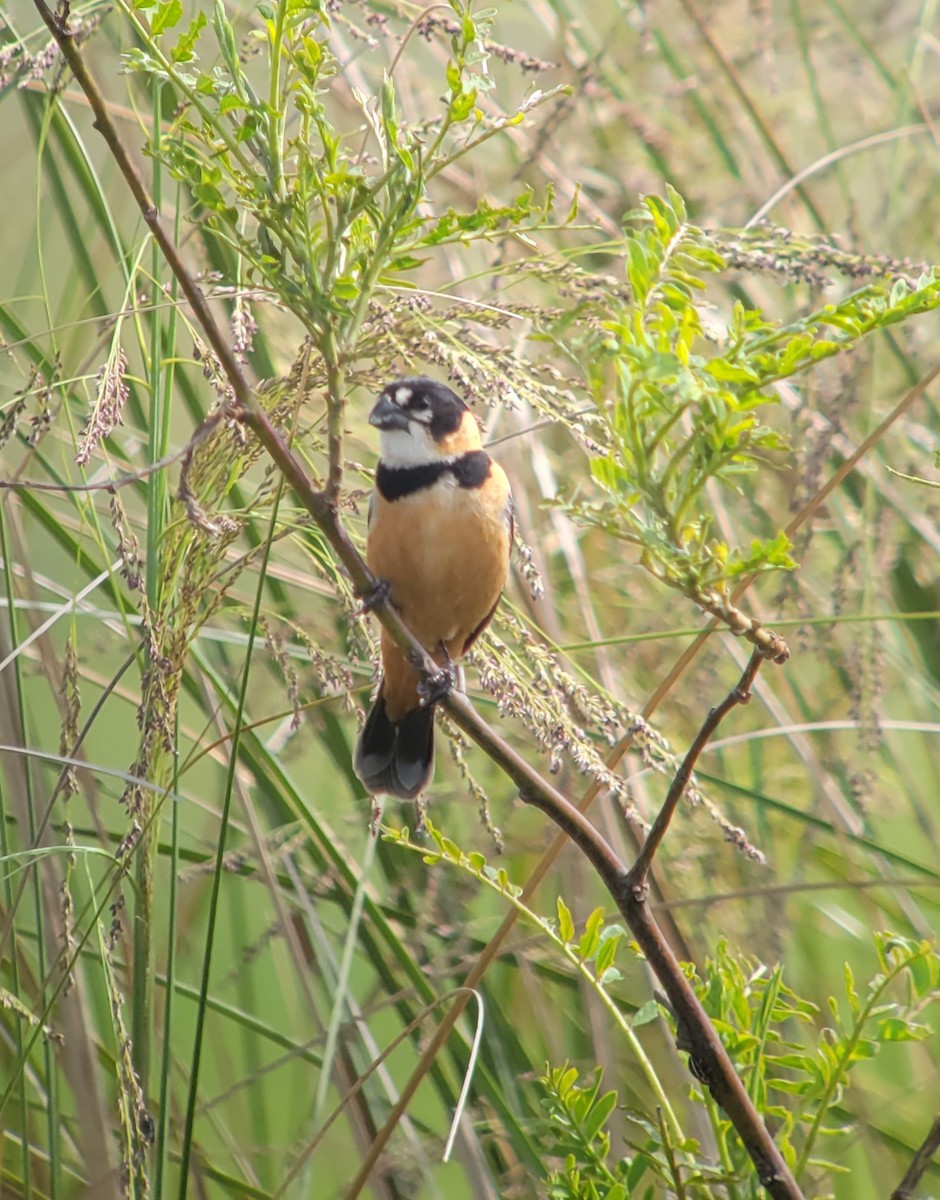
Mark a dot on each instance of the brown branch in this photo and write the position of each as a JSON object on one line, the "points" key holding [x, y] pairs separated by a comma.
{"points": [[710, 1057], [493, 947], [919, 1164], [738, 695], [767, 643]]}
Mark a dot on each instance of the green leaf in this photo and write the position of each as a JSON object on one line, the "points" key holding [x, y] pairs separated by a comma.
{"points": [[850, 991], [406, 262], [184, 50], [168, 14], [606, 954], [567, 1078], [451, 850], [565, 923], [345, 287], [590, 939], [637, 1170], [645, 1014], [728, 372], [897, 1029], [599, 1114], [462, 105], [925, 968]]}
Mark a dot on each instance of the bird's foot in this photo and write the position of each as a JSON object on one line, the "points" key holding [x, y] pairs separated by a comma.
{"points": [[438, 687], [380, 593]]}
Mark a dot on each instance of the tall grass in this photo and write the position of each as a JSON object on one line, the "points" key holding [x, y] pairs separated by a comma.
{"points": [[204, 953]]}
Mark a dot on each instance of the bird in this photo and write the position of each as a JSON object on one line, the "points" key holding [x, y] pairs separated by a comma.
{"points": [[439, 541]]}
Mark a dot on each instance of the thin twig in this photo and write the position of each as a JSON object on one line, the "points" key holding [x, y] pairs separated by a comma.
{"points": [[674, 1168], [119, 481], [919, 1164], [335, 413], [866, 143], [767, 643], [740, 694]]}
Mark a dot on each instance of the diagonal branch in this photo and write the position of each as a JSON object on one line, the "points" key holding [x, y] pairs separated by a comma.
{"points": [[710, 1056], [111, 485], [738, 695], [711, 1059], [919, 1163]]}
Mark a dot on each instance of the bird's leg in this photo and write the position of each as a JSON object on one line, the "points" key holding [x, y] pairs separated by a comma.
{"points": [[456, 670], [380, 593], [439, 686]]}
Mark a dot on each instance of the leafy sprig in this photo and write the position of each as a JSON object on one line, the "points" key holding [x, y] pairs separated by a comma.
{"points": [[795, 1083], [331, 215], [683, 403]]}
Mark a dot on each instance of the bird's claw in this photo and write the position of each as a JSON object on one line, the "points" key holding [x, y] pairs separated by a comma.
{"points": [[438, 687], [380, 593]]}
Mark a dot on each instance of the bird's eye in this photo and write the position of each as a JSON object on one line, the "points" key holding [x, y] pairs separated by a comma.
{"points": [[420, 402]]}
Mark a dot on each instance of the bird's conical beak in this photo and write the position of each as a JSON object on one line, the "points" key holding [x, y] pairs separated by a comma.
{"points": [[388, 415]]}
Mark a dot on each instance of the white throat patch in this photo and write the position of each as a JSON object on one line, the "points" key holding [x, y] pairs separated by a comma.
{"points": [[411, 447]]}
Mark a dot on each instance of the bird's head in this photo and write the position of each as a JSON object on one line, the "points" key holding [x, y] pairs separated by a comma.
{"points": [[421, 421]]}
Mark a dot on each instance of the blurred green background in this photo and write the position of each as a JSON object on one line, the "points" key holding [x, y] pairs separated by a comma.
{"points": [[832, 771]]}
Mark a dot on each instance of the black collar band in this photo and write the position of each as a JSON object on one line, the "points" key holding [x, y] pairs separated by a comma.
{"points": [[470, 470]]}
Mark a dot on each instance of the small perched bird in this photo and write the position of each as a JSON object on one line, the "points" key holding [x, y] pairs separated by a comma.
{"points": [[440, 534]]}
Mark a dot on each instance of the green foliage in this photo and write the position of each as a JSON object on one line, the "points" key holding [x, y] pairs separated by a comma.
{"points": [[796, 1083], [575, 1133], [384, 186], [592, 953], [577, 1116], [332, 215], [680, 403], [797, 1086], [683, 403]]}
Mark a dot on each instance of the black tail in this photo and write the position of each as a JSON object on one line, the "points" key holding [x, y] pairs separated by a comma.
{"points": [[397, 759]]}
